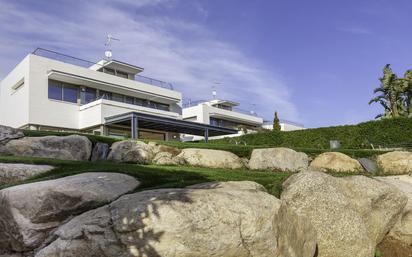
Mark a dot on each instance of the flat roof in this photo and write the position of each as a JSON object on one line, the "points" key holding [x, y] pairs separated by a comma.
{"points": [[148, 121], [117, 65]]}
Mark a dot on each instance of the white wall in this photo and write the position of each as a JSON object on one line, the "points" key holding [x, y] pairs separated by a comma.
{"points": [[14, 104]]}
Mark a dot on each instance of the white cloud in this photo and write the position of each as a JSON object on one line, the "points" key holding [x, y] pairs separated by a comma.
{"points": [[184, 53]]}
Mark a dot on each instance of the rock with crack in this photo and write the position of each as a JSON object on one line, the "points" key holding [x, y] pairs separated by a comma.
{"points": [[351, 215], [100, 152], [9, 133], [11, 172], [231, 219], [29, 212], [131, 151], [71, 147], [402, 231]]}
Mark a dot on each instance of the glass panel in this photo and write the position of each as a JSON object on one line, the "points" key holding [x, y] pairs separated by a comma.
{"points": [[70, 93], [138, 101], [55, 90], [164, 107], [122, 74], [128, 99], [88, 95], [117, 97], [105, 95], [109, 71]]}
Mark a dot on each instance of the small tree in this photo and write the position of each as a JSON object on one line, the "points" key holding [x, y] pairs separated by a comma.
{"points": [[276, 123]]}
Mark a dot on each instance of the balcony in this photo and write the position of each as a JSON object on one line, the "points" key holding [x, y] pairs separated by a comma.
{"points": [[95, 112], [87, 64]]}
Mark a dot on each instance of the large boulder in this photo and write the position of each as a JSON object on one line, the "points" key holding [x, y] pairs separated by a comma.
{"points": [[211, 158], [397, 162], [402, 231], [335, 161], [131, 151], [100, 152], [10, 172], [232, 219], [29, 212], [73, 147], [351, 215], [166, 158], [9, 133], [278, 159]]}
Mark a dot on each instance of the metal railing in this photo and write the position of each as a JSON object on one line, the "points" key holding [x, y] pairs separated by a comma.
{"points": [[87, 64], [190, 103], [285, 121]]}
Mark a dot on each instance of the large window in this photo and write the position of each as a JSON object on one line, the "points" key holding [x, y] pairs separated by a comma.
{"points": [[70, 93], [63, 92], [88, 95], [55, 90]]}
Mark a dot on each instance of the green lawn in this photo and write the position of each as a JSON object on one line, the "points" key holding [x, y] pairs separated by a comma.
{"points": [[154, 176]]}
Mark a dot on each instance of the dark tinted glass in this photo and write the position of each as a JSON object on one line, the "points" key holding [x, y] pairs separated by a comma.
{"points": [[55, 90], [89, 95], [70, 93], [128, 99]]}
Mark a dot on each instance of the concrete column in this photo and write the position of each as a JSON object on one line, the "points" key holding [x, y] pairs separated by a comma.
{"points": [[206, 135], [103, 130], [134, 127]]}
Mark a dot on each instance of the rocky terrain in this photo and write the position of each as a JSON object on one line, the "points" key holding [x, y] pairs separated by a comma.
{"points": [[106, 214]]}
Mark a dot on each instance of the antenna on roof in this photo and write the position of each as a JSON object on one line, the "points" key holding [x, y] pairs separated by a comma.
{"points": [[108, 44], [214, 93]]}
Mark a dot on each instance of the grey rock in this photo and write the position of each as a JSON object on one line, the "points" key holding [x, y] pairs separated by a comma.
{"points": [[283, 159], [231, 219], [131, 151], [351, 215], [211, 158], [10, 172], [9, 133], [71, 147], [29, 212], [368, 165], [402, 231], [100, 152]]}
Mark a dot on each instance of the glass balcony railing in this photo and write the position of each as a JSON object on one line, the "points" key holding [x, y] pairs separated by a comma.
{"points": [[87, 64], [234, 109]]}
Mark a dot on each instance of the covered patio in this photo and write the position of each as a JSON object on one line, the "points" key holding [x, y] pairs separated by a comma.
{"points": [[136, 121]]}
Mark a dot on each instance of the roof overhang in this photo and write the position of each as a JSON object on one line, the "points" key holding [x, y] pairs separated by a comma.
{"points": [[84, 81], [147, 121], [117, 65]]}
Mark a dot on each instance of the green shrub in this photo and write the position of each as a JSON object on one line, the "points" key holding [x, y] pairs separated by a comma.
{"points": [[387, 132]]}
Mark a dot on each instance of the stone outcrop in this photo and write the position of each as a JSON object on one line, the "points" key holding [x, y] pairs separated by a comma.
{"points": [[278, 159], [166, 158], [402, 231], [397, 162], [351, 215], [71, 147], [9, 133], [131, 151], [29, 212], [335, 161], [100, 152], [232, 219], [10, 172], [211, 158]]}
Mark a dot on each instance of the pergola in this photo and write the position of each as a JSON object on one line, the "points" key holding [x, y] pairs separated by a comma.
{"points": [[136, 120]]}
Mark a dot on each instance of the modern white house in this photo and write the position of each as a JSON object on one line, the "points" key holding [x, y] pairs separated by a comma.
{"points": [[52, 91], [222, 113]]}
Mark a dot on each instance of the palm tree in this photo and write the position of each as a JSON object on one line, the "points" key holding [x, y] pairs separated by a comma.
{"points": [[390, 94]]}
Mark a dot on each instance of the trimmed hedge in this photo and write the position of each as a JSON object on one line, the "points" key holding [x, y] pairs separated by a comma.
{"points": [[387, 133]]}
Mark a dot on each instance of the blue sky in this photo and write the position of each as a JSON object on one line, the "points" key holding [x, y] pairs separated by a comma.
{"points": [[315, 62]]}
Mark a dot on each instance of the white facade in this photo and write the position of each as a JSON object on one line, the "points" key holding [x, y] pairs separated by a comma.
{"points": [[26, 101], [223, 114]]}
